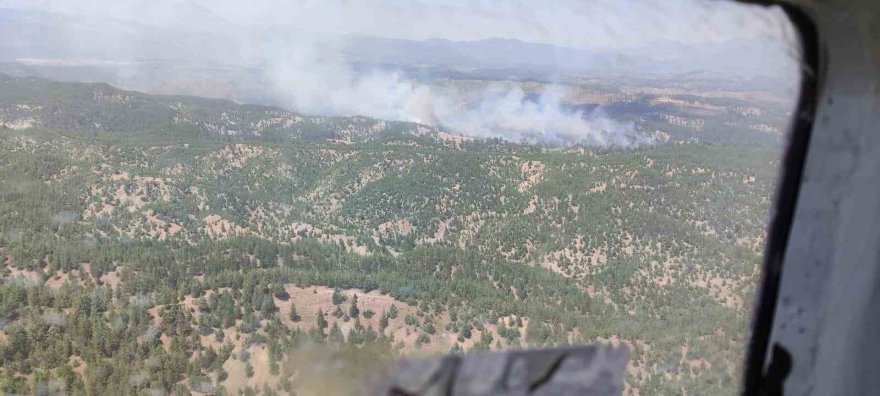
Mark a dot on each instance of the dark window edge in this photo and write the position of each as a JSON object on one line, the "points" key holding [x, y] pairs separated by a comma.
{"points": [[754, 381]]}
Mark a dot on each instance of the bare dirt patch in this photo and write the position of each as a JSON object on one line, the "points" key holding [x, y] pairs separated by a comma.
{"points": [[218, 227], [532, 173]]}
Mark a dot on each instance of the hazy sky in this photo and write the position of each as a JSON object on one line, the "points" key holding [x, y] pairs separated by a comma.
{"points": [[575, 23], [310, 73]]}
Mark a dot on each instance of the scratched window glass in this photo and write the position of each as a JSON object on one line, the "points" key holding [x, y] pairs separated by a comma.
{"points": [[272, 197]]}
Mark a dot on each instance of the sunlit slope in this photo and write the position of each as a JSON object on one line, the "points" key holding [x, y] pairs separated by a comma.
{"points": [[663, 112], [154, 255]]}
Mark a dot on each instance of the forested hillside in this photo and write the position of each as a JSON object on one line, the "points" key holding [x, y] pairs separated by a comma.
{"points": [[178, 244]]}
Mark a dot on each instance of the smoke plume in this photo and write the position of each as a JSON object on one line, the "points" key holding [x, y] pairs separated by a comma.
{"points": [[314, 78], [302, 54]]}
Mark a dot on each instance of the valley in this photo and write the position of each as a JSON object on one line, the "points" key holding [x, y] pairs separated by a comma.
{"points": [[180, 244]]}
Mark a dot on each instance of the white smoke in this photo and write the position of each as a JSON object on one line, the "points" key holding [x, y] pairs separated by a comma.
{"points": [[213, 48], [54, 318], [509, 114], [141, 301], [312, 77], [149, 336]]}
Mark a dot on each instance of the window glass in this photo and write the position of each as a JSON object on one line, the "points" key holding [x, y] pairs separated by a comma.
{"points": [[261, 197]]}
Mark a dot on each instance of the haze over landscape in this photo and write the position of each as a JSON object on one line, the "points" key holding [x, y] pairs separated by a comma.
{"points": [[328, 58], [270, 197]]}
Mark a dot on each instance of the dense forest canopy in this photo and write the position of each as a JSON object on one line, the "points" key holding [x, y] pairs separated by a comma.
{"points": [[178, 244]]}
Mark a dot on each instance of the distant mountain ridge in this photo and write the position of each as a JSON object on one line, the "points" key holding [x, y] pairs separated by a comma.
{"points": [[101, 109], [41, 34], [735, 58]]}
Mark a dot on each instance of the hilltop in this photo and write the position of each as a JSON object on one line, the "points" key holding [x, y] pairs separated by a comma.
{"points": [[190, 244]]}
